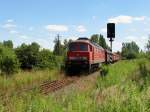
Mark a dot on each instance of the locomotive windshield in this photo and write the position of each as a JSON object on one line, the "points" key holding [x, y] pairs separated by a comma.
{"points": [[73, 47], [83, 47], [78, 47]]}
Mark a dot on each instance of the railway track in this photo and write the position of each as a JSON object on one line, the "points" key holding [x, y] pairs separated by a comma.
{"points": [[49, 86], [46, 87]]}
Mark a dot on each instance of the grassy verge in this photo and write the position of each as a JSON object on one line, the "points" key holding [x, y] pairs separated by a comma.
{"points": [[125, 88], [25, 80]]}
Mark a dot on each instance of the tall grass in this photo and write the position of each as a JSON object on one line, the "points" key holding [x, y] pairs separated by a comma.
{"points": [[117, 73], [124, 94], [118, 91], [25, 79]]}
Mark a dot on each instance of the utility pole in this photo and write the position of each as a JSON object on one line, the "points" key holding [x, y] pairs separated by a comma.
{"points": [[58, 39]]}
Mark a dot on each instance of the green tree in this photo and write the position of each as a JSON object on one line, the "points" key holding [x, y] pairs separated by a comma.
{"points": [[46, 59], [148, 45], [130, 50], [95, 38], [9, 63], [102, 41], [66, 43], [8, 43], [28, 55], [58, 47]]}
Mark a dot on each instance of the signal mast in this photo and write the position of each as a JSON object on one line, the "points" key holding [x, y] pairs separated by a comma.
{"points": [[111, 33]]}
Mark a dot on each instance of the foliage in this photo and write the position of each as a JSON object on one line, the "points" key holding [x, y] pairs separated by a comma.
{"points": [[66, 43], [99, 39], [116, 92], [9, 63], [130, 50], [148, 48], [120, 95], [130, 93], [8, 44], [148, 45], [95, 38], [26, 79], [46, 59], [102, 41], [28, 55], [104, 70], [58, 47]]}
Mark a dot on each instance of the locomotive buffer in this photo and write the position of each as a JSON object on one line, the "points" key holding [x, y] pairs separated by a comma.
{"points": [[111, 34]]}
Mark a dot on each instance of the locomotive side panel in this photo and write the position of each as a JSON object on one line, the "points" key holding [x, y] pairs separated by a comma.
{"points": [[98, 55]]}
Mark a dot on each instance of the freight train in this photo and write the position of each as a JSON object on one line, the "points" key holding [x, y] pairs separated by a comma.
{"points": [[87, 55]]}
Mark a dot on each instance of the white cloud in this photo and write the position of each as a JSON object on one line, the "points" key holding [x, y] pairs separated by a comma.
{"points": [[44, 43], [23, 36], [81, 29], [9, 26], [13, 32], [142, 18], [57, 28], [117, 45], [103, 30], [140, 40], [10, 20], [72, 37], [125, 19]]}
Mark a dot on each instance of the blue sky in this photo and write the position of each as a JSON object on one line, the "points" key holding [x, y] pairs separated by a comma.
{"points": [[25, 21]]}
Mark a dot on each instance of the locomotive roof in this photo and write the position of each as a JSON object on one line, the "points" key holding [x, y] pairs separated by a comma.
{"points": [[89, 42]]}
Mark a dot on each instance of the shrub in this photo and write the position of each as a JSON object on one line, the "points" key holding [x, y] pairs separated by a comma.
{"points": [[46, 59], [148, 55], [104, 70], [28, 55], [130, 50], [9, 63]]}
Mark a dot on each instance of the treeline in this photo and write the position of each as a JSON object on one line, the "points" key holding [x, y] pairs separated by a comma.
{"points": [[26, 57], [31, 56], [131, 50]]}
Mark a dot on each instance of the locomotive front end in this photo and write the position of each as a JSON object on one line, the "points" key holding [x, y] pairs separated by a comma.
{"points": [[78, 55]]}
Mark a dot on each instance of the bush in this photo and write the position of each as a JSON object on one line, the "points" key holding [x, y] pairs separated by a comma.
{"points": [[28, 55], [130, 50], [46, 59], [31, 57], [9, 63], [104, 70], [148, 55]]}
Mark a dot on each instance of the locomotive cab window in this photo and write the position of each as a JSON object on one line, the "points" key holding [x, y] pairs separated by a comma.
{"points": [[73, 47], [83, 47]]}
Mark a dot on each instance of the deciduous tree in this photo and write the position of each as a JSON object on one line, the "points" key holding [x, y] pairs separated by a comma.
{"points": [[130, 50]]}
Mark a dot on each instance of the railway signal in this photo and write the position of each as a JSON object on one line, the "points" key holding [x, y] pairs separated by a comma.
{"points": [[111, 33]]}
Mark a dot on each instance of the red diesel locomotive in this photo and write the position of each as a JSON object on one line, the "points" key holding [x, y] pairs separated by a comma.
{"points": [[87, 55]]}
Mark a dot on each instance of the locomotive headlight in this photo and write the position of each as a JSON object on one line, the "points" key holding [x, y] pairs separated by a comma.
{"points": [[72, 58], [84, 58]]}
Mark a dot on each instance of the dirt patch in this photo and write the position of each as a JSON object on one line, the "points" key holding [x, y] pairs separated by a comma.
{"points": [[83, 84]]}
